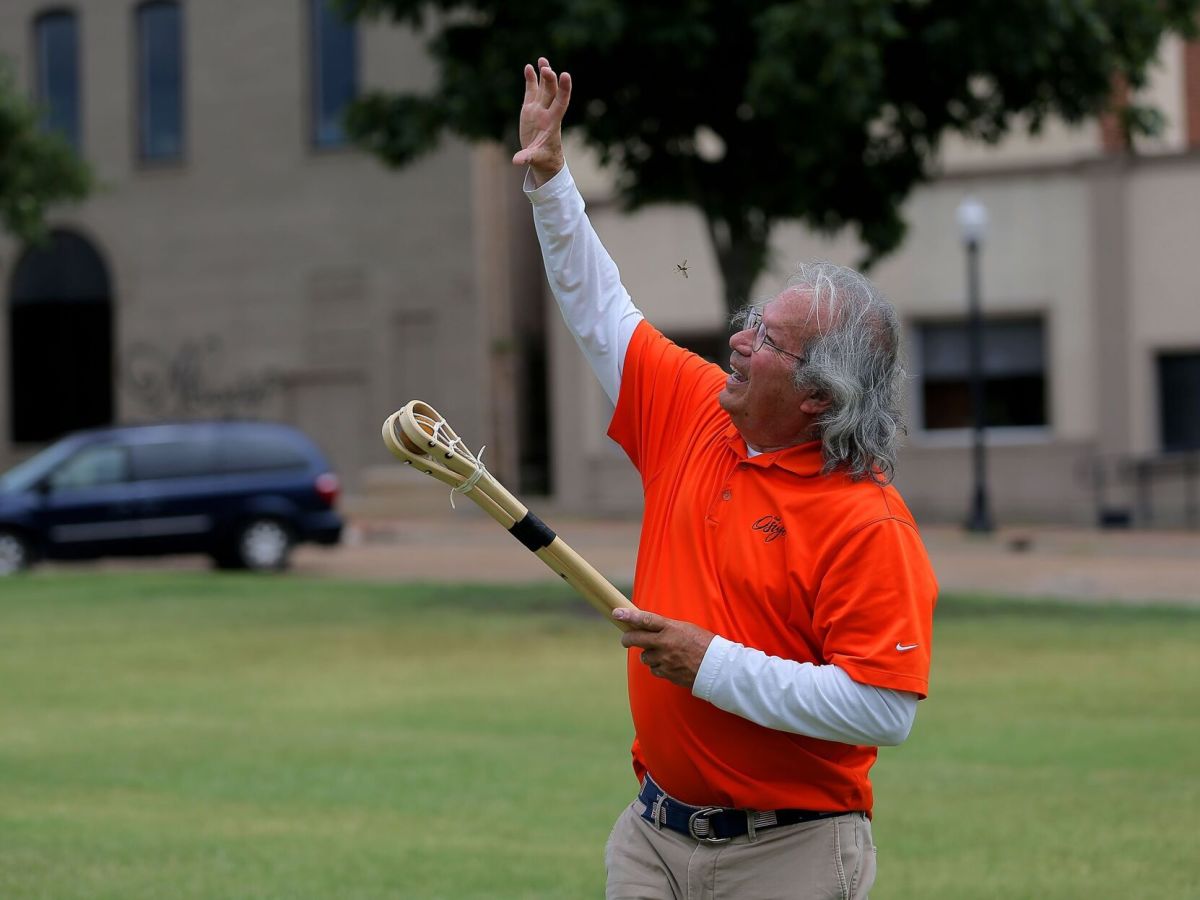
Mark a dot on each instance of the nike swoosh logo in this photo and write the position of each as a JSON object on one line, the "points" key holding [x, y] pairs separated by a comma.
{"points": [[904, 648]]}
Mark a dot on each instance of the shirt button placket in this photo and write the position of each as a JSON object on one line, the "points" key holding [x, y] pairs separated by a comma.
{"points": [[714, 508]]}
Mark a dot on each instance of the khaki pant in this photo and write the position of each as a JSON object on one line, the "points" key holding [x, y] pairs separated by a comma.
{"points": [[827, 858]]}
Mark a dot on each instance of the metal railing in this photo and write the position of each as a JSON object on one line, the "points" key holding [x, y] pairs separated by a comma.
{"points": [[1145, 491]]}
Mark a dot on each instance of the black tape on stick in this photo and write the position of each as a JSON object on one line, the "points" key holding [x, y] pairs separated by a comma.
{"points": [[532, 532]]}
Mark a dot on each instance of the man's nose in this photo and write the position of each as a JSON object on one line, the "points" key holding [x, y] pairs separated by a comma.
{"points": [[741, 341]]}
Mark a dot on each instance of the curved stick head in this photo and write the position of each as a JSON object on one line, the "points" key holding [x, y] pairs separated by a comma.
{"points": [[397, 441], [424, 425], [409, 444]]}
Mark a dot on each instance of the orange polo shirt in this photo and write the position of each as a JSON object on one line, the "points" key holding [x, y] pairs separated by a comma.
{"points": [[768, 552]]}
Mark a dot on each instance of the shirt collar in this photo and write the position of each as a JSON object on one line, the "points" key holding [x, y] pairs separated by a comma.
{"points": [[805, 460]]}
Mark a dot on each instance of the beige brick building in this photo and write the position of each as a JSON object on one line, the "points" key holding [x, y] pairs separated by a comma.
{"points": [[1091, 299], [257, 272], [241, 261]]}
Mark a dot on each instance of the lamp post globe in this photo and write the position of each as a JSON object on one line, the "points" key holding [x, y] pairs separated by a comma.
{"points": [[972, 219]]}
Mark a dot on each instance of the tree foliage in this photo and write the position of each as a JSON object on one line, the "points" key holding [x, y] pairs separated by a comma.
{"points": [[824, 111], [37, 168]]}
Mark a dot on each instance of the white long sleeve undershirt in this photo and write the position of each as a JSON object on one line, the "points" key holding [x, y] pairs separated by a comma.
{"points": [[818, 701], [584, 279]]}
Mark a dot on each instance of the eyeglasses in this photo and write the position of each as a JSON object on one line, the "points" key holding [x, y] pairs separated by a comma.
{"points": [[754, 321]]}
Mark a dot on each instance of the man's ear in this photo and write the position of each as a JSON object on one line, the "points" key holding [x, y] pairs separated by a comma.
{"points": [[815, 403]]}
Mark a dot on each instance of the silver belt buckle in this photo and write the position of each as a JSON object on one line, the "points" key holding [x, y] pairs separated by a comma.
{"points": [[706, 812]]}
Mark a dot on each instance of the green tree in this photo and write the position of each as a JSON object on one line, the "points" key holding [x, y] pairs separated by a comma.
{"points": [[825, 111], [37, 168]]}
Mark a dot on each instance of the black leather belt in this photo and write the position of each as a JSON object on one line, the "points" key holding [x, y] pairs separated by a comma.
{"points": [[717, 824]]}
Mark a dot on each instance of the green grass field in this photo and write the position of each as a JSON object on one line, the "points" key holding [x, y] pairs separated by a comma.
{"points": [[200, 735]]}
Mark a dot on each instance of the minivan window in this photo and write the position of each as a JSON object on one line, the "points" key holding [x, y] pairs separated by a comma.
{"points": [[172, 459], [25, 475], [93, 466], [255, 454]]}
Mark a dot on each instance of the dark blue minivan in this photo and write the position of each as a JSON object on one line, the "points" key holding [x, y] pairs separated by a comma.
{"points": [[242, 492]]}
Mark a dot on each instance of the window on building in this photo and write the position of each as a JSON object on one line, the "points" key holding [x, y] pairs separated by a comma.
{"points": [[334, 71], [160, 80], [1179, 400], [56, 59], [711, 346], [1014, 373]]}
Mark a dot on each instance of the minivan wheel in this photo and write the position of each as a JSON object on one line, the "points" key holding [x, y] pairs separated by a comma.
{"points": [[14, 553], [263, 545]]}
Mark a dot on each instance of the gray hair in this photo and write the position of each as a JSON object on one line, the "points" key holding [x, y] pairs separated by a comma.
{"points": [[854, 362]]}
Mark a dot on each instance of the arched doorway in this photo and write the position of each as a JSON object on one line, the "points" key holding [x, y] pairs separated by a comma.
{"points": [[60, 330]]}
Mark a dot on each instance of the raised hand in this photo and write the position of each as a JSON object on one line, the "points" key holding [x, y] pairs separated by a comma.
{"points": [[546, 99]]}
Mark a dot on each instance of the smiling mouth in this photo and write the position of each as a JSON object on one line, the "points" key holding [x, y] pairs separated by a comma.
{"points": [[735, 377]]}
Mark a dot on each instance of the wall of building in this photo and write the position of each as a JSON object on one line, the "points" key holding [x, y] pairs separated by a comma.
{"points": [[1099, 249], [1163, 282], [312, 284]]}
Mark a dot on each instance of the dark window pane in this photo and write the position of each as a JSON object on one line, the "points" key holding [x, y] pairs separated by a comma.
{"points": [[1011, 402], [1013, 372], [335, 71], [160, 80], [172, 459], [246, 454], [947, 404], [1179, 398], [1012, 347], [57, 39]]}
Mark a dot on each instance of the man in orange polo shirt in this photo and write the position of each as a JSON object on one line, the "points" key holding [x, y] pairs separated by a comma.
{"points": [[786, 599]]}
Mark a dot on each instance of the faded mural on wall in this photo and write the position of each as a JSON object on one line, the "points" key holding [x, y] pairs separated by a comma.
{"points": [[192, 379]]}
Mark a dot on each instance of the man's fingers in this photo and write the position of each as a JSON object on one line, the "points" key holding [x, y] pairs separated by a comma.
{"points": [[639, 618], [644, 639], [564, 91], [652, 660], [531, 84], [549, 86]]}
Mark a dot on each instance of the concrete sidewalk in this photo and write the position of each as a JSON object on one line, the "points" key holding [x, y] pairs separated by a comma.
{"points": [[1072, 564]]}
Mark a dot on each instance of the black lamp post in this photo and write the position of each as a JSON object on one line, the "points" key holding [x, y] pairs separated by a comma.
{"points": [[972, 225]]}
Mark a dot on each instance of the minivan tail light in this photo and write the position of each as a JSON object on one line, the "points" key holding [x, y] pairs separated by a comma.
{"points": [[328, 486]]}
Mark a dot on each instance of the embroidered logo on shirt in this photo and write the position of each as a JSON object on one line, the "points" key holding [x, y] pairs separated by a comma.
{"points": [[770, 526], [904, 648]]}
